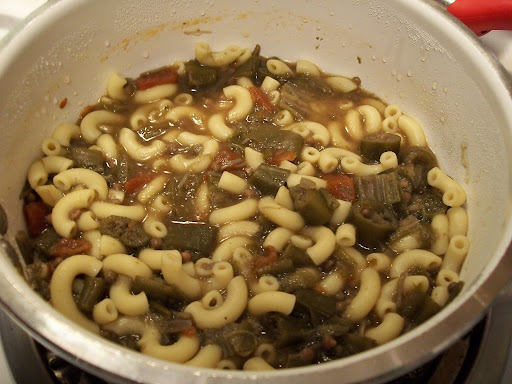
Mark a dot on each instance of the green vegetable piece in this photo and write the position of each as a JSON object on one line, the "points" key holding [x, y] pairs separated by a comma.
{"points": [[314, 86], [411, 227], [118, 174], [296, 101], [92, 292], [429, 309], [267, 138], [200, 75], [454, 289], [87, 158], [301, 278], [345, 265], [298, 256], [354, 343], [33, 273], [374, 145], [127, 231], [268, 178], [190, 236], [335, 326], [170, 326], [383, 188], [318, 306], [280, 267], [45, 240], [242, 342], [294, 360], [116, 106], [427, 204], [284, 330], [311, 205], [155, 288], [249, 68], [411, 303], [419, 160], [158, 307], [373, 221], [331, 201], [135, 237]]}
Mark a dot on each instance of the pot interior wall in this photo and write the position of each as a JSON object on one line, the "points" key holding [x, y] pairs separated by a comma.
{"points": [[400, 51]]}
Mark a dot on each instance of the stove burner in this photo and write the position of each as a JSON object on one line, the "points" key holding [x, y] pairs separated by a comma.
{"points": [[64, 372]]}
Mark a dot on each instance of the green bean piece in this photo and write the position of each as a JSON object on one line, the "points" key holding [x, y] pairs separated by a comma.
{"points": [[427, 204], [298, 256], [317, 305], [113, 226], [331, 201], [374, 145], [266, 138], [335, 326], [34, 273], [190, 236], [284, 330], [296, 101], [268, 178], [301, 278], [127, 231], [249, 68], [345, 265], [92, 292], [411, 227], [294, 360], [429, 309], [419, 160], [118, 174], [155, 288], [243, 342], [411, 303], [135, 236], [354, 343], [373, 221], [383, 188], [157, 307], [200, 75], [280, 267], [115, 106], [45, 240], [175, 325], [311, 205], [454, 289], [180, 190], [87, 158], [314, 86]]}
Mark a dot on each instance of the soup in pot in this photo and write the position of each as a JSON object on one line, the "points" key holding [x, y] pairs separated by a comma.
{"points": [[237, 211]]}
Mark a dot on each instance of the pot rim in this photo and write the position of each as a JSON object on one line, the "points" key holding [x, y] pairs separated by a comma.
{"points": [[93, 353]]}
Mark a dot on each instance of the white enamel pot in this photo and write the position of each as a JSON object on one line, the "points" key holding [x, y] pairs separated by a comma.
{"points": [[412, 53]]}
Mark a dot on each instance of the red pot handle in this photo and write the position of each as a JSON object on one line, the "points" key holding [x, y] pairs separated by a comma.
{"points": [[482, 16]]}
